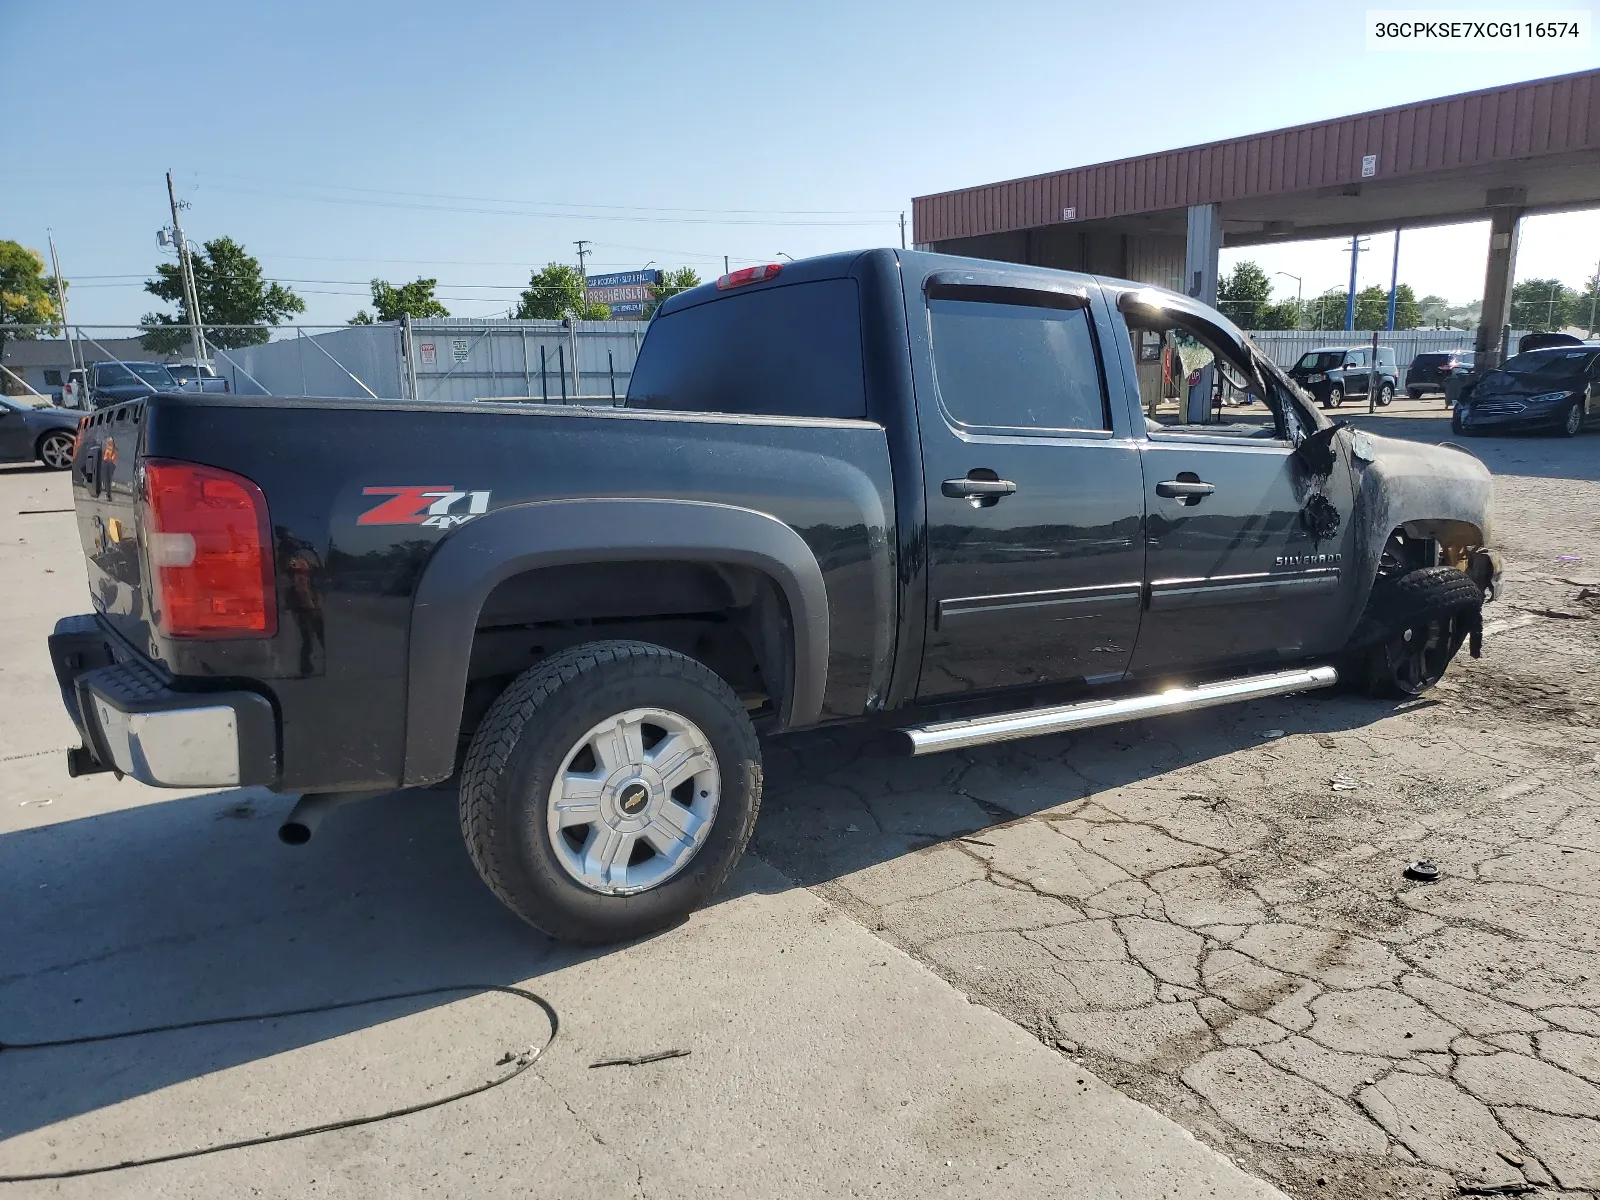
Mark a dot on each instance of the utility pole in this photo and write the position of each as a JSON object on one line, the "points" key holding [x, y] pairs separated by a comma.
{"points": [[902, 231], [191, 294], [583, 249], [1394, 280], [61, 302], [1594, 295], [1350, 300]]}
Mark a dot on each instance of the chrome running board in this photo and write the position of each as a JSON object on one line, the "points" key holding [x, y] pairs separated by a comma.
{"points": [[1032, 722]]}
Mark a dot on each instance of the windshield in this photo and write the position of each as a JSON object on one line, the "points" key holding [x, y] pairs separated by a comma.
{"points": [[122, 374], [21, 402], [1561, 363], [1319, 360]]}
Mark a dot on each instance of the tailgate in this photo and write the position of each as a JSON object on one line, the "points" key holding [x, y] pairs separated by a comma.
{"points": [[105, 495]]}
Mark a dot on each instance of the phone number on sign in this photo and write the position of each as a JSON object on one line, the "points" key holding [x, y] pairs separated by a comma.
{"points": [[1463, 30]]}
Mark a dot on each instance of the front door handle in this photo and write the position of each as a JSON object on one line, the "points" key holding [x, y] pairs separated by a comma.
{"points": [[977, 489], [1191, 490]]}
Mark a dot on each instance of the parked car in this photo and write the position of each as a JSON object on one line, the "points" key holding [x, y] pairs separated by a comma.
{"points": [[1334, 374], [1541, 341], [114, 382], [892, 487], [31, 431], [1556, 390], [1428, 372]]}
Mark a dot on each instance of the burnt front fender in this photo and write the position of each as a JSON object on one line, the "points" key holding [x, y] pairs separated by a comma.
{"points": [[471, 561], [1438, 492]]}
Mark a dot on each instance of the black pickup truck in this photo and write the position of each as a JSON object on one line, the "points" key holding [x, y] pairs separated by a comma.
{"points": [[933, 493]]}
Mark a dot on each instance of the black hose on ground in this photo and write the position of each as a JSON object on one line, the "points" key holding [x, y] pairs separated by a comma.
{"points": [[519, 1062]]}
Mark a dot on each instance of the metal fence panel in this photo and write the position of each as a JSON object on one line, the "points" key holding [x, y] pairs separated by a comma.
{"points": [[458, 360], [1285, 346], [320, 364]]}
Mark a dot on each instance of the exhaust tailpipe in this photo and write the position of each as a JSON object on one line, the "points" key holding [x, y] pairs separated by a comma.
{"points": [[308, 812]]}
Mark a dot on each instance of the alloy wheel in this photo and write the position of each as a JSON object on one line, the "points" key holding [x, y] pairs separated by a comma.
{"points": [[634, 801]]}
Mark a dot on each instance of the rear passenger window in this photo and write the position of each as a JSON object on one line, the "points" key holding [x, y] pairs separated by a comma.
{"points": [[790, 351], [1015, 366]]}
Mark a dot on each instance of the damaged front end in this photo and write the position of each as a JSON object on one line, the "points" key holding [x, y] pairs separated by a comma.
{"points": [[1424, 520]]}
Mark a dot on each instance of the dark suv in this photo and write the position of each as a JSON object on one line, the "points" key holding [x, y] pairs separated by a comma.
{"points": [[1428, 372], [1334, 373]]}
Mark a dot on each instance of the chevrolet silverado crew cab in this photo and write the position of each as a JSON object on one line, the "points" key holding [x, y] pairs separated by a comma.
{"points": [[931, 493]]}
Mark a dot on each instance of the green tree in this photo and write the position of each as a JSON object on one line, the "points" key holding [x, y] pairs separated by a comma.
{"points": [[672, 282], [1285, 314], [558, 292], [1243, 294], [1372, 308], [1542, 305], [415, 300], [1327, 310], [1588, 314], [232, 292], [27, 294]]}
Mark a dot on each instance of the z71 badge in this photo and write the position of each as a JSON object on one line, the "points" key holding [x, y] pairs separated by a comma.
{"points": [[437, 506]]}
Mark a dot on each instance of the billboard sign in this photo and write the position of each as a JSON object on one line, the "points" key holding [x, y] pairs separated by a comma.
{"points": [[625, 293]]}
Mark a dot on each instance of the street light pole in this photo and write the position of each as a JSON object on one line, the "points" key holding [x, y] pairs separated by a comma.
{"points": [[1299, 288]]}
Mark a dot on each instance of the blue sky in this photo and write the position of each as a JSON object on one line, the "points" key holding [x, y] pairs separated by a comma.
{"points": [[469, 142]]}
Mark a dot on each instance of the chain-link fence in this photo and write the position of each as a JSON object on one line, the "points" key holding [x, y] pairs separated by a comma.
{"points": [[451, 360]]}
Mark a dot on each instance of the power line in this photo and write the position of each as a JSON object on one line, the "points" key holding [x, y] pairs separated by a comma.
{"points": [[524, 214], [571, 204]]}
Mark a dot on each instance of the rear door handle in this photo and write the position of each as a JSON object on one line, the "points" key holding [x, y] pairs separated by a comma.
{"points": [[977, 489], [1184, 488]]}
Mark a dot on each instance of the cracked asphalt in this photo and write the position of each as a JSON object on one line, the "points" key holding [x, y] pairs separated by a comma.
{"points": [[1190, 907]]}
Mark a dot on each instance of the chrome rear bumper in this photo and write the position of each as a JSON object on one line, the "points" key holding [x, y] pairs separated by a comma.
{"points": [[135, 721]]}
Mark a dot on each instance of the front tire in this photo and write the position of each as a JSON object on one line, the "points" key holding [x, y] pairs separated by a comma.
{"points": [[1414, 623], [55, 449], [1335, 396], [610, 791], [1571, 420]]}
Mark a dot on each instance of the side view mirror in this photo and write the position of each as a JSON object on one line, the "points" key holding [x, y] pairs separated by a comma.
{"points": [[1315, 450]]}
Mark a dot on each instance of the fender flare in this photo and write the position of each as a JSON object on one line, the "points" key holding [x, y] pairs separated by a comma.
{"points": [[470, 562]]}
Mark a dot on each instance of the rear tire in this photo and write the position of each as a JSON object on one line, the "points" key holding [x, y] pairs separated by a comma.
{"points": [[1414, 393], [563, 808], [1414, 623], [1385, 395]]}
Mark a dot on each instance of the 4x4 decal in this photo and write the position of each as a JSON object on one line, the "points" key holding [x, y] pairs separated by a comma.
{"points": [[439, 506]]}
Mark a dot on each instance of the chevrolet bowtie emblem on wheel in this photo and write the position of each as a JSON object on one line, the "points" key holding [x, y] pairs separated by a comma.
{"points": [[437, 506]]}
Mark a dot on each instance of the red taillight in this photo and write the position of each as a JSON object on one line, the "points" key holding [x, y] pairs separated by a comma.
{"points": [[748, 275], [210, 552]]}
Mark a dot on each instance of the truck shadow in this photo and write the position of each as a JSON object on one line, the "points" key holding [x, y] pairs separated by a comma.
{"points": [[841, 801], [188, 909]]}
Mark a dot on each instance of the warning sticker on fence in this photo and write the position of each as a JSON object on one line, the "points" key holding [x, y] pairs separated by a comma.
{"points": [[429, 356], [458, 349]]}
